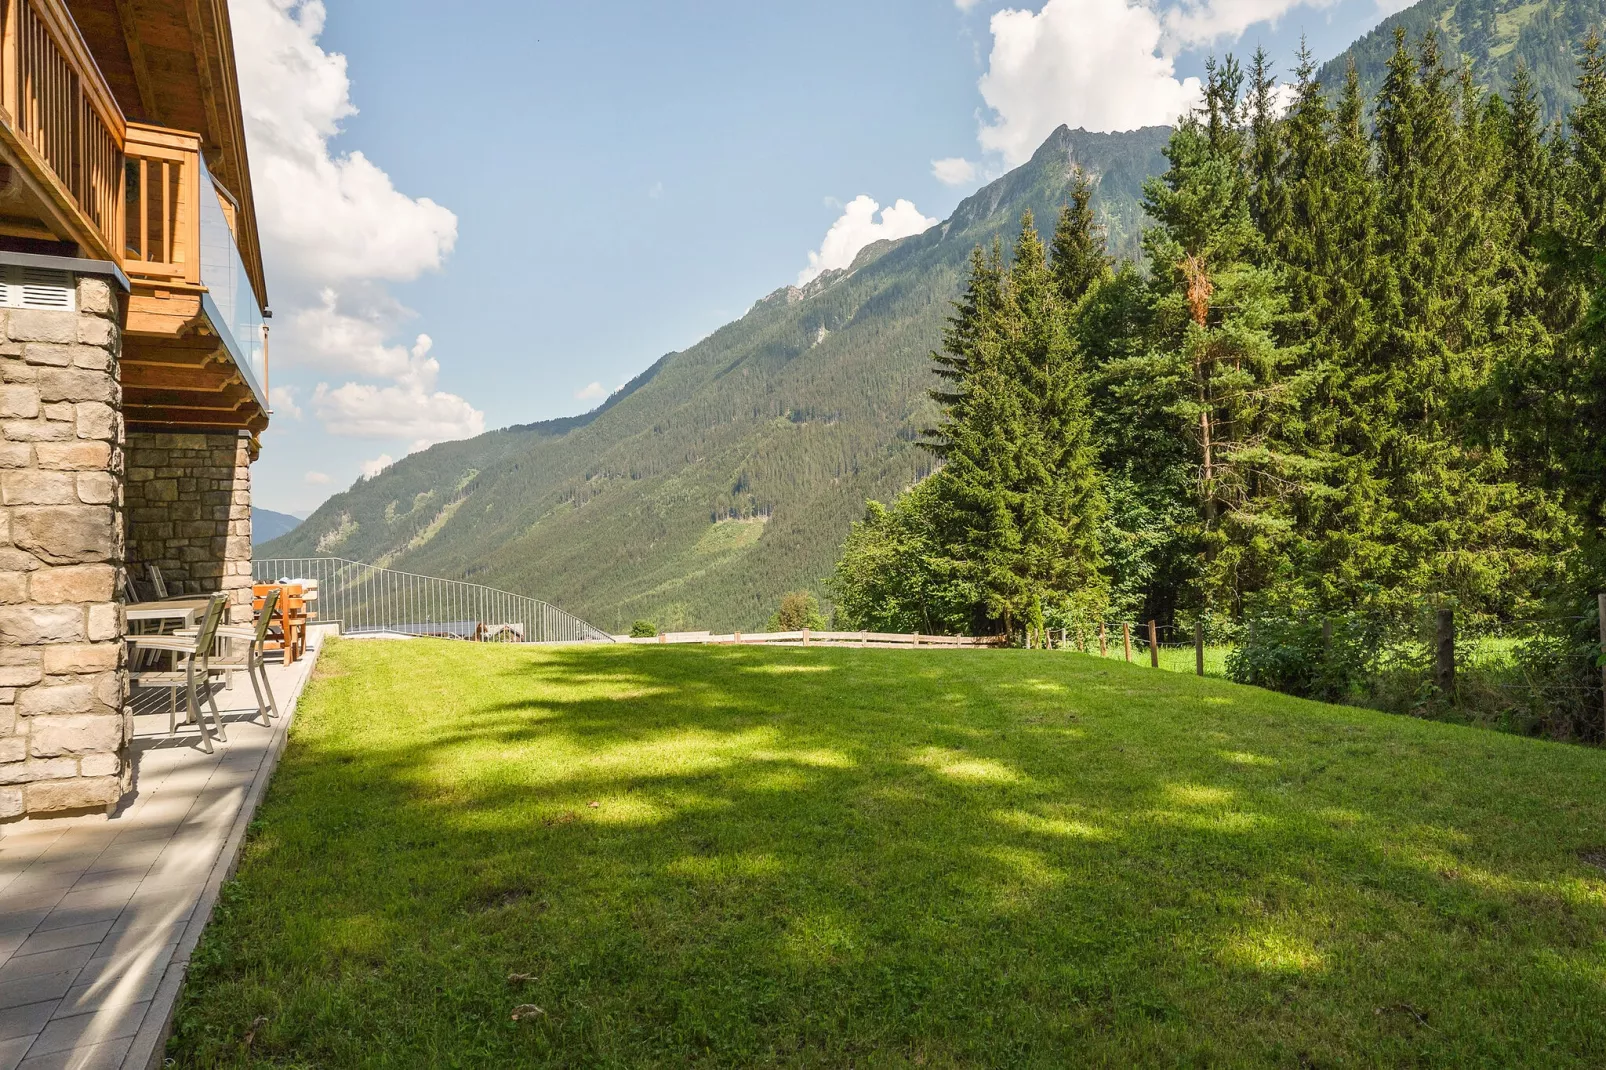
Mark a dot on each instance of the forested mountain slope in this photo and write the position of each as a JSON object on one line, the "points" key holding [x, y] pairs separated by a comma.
{"points": [[728, 473], [1492, 35]]}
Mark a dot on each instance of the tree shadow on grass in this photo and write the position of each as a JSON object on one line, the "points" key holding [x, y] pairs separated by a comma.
{"points": [[837, 857]]}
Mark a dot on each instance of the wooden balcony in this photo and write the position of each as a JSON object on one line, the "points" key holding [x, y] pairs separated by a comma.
{"points": [[139, 195], [188, 359], [58, 116]]}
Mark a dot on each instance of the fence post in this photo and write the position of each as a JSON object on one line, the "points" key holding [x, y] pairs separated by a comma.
{"points": [[1154, 646], [1103, 646], [1603, 663], [738, 638], [805, 637], [1198, 647], [663, 637], [1444, 660], [1065, 639], [1126, 639]]}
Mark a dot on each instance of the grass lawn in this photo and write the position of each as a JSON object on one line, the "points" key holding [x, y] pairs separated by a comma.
{"points": [[837, 857]]}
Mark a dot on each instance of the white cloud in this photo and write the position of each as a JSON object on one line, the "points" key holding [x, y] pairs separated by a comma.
{"points": [[953, 171], [966, 5], [655, 191], [1099, 64], [858, 227], [1199, 23], [591, 392], [372, 468], [327, 216], [335, 231], [410, 409], [282, 400], [315, 479]]}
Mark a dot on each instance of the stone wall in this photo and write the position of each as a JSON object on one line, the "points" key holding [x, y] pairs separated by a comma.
{"points": [[188, 499], [64, 725]]}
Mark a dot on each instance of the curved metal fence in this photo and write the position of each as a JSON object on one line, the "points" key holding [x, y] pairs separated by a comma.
{"points": [[368, 600]]}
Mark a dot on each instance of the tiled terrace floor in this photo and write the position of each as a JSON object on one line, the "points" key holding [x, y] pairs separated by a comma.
{"points": [[98, 915]]}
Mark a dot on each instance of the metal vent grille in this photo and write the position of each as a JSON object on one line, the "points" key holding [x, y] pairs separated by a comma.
{"points": [[31, 287]]}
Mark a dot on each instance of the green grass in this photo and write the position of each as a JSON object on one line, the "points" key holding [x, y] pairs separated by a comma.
{"points": [[832, 857]]}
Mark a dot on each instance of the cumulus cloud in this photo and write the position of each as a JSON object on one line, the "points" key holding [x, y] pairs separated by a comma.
{"points": [[328, 216], [372, 468], [1200, 23], [858, 227], [282, 400], [335, 231], [315, 479], [411, 408], [591, 392], [1099, 64], [953, 171]]}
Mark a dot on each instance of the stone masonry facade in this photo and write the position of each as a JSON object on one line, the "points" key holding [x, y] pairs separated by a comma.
{"points": [[64, 719], [188, 504]]}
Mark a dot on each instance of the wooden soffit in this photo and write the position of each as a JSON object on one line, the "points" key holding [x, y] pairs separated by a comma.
{"points": [[177, 375], [171, 63]]}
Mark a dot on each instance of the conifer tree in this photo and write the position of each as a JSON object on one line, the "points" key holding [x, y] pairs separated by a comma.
{"points": [[1582, 252], [1077, 255], [1217, 366]]}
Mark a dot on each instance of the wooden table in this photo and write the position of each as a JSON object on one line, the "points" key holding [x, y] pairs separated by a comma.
{"points": [[183, 610], [290, 618]]}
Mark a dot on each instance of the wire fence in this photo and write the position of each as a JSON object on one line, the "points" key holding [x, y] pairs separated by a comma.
{"points": [[1544, 676], [369, 600]]}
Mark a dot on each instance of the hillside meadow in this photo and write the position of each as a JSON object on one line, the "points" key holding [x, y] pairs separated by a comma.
{"points": [[706, 856]]}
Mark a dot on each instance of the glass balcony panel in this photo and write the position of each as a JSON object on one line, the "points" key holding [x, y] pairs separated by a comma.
{"points": [[223, 274]]}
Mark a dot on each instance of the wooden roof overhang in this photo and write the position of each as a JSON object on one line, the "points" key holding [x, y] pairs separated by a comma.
{"points": [[178, 374]]}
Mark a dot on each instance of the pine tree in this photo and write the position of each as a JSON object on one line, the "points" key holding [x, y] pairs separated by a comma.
{"points": [[1458, 524], [1217, 366], [1077, 255], [969, 335], [1581, 252]]}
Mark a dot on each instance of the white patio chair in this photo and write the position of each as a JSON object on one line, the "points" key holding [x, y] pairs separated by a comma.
{"points": [[192, 669]]}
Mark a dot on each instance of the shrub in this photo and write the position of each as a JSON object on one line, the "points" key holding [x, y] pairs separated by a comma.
{"points": [[799, 610], [643, 629], [1330, 658]]}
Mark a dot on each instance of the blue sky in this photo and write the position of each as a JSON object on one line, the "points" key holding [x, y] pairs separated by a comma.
{"points": [[557, 194]]}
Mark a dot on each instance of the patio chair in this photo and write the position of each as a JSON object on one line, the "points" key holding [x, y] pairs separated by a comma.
{"points": [[245, 646], [192, 669]]}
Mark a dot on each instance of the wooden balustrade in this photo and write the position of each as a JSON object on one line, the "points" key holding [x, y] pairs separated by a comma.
{"points": [[61, 112], [161, 205]]}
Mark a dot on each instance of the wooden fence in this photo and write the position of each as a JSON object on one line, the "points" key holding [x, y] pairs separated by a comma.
{"points": [[808, 637]]}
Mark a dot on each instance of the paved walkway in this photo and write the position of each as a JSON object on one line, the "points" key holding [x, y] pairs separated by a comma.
{"points": [[98, 915]]}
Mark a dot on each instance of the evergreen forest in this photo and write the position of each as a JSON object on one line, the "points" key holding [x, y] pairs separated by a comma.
{"points": [[1360, 370]]}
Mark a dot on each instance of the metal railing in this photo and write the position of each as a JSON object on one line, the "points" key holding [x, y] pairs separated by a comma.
{"points": [[369, 600]]}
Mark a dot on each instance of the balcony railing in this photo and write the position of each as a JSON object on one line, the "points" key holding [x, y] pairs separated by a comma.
{"points": [[62, 113], [161, 184]]}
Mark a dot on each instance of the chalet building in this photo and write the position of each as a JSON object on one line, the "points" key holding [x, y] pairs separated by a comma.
{"points": [[133, 363]]}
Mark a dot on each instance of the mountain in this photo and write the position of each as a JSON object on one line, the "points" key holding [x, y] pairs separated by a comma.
{"points": [[266, 525], [726, 474], [1492, 35]]}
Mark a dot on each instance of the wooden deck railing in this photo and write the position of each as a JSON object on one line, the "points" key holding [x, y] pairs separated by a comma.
{"points": [[162, 218], [62, 113]]}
